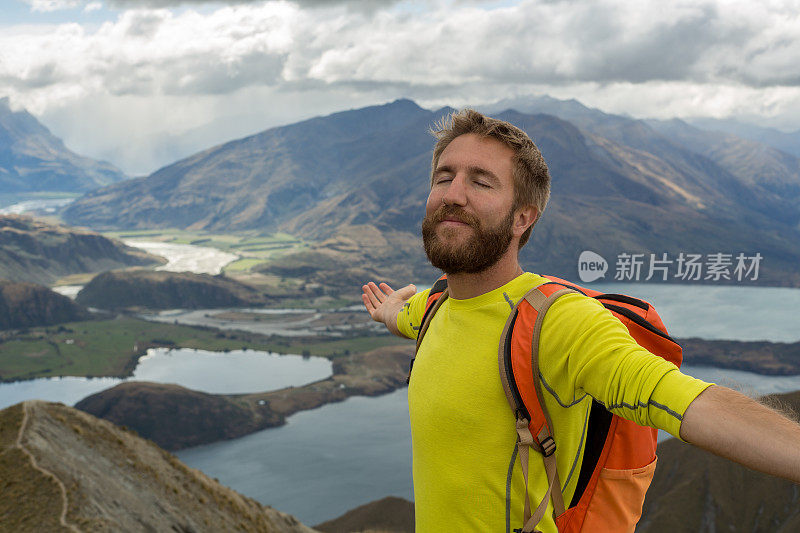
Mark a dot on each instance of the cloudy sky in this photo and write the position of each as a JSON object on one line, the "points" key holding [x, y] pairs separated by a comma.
{"points": [[139, 82]]}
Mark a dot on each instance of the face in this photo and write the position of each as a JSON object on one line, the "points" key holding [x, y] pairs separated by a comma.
{"points": [[469, 222]]}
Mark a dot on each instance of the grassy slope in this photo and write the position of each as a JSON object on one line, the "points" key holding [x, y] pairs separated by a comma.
{"points": [[112, 347]]}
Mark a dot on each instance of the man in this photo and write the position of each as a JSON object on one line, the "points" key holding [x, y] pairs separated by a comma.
{"points": [[489, 186]]}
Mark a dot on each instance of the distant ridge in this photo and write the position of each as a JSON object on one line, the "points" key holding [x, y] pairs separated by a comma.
{"points": [[158, 289], [785, 142], [64, 470], [36, 251], [25, 305], [33, 159]]}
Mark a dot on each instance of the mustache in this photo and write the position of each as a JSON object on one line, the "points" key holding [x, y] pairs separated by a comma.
{"points": [[453, 212]]}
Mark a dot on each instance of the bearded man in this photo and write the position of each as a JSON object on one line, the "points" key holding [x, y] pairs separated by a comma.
{"points": [[489, 186]]}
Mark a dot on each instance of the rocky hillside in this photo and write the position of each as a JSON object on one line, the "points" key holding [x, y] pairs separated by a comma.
{"points": [[389, 515], [175, 417], [36, 251], [64, 470], [360, 193], [24, 305], [33, 159], [166, 290]]}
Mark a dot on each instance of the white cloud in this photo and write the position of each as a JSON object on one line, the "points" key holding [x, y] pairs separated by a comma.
{"points": [[45, 6], [648, 58], [156, 51]]}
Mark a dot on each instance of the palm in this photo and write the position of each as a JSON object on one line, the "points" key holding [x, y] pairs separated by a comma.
{"points": [[382, 302]]}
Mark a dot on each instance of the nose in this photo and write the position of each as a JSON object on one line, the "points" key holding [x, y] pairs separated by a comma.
{"points": [[456, 193]]}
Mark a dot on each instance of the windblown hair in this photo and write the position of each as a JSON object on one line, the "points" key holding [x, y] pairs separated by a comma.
{"points": [[531, 177]]}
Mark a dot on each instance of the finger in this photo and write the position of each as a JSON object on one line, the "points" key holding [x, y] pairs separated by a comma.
{"points": [[377, 292], [367, 304], [386, 288], [407, 292], [371, 294]]}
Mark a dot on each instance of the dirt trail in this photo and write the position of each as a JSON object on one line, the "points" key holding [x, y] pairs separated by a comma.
{"points": [[63, 518]]}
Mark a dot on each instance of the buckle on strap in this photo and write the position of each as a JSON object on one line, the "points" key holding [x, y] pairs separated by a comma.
{"points": [[548, 446]]}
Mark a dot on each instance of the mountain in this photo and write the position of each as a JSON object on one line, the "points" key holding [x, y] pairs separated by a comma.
{"points": [[33, 159], [266, 179], [64, 470], [783, 141], [166, 290], [24, 305], [354, 183], [774, 174], [747, 170], [36, 251]]}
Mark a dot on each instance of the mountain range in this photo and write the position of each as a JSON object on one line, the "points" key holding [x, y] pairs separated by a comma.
{"points": [[355, 183], [33, 159]]}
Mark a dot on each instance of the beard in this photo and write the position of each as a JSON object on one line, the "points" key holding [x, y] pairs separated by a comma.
{"points": [[482, 250]]}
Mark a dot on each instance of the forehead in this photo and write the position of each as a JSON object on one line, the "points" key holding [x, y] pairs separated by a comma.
{"points": [[471, 150]]}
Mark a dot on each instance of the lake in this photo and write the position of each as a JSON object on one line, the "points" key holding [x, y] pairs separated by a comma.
{"points": [[234, 372]]}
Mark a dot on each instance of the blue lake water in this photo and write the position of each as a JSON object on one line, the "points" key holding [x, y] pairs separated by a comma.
{"points": [[719, 311], [237, 371], [323, 462]]}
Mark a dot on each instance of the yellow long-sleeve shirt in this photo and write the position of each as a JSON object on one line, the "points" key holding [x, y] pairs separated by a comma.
{"points": [[465, 474]]}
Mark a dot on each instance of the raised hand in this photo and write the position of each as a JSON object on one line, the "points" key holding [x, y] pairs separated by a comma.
{"points": [[384, 303]]}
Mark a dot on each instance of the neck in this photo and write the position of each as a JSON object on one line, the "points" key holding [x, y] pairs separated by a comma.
{"points": [[463, 286]]}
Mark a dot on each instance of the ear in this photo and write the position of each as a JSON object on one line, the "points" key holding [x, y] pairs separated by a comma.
{"points": [[524, 217]]}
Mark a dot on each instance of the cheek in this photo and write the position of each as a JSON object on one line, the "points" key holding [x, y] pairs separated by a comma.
{"points": [[433, 203]]}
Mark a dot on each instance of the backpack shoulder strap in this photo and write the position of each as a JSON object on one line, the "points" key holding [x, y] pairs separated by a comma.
{"points": [[436, 297], [518, 356]]}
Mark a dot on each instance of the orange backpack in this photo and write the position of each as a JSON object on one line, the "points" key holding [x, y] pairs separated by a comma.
{"points": [[619, 455]]}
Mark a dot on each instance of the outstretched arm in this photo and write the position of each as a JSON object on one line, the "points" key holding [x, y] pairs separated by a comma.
{"points": [[736, 427], [384, 304]]}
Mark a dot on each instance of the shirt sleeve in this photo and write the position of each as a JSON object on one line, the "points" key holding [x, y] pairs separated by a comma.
{"points": [[410, 317], [605, 362]]}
